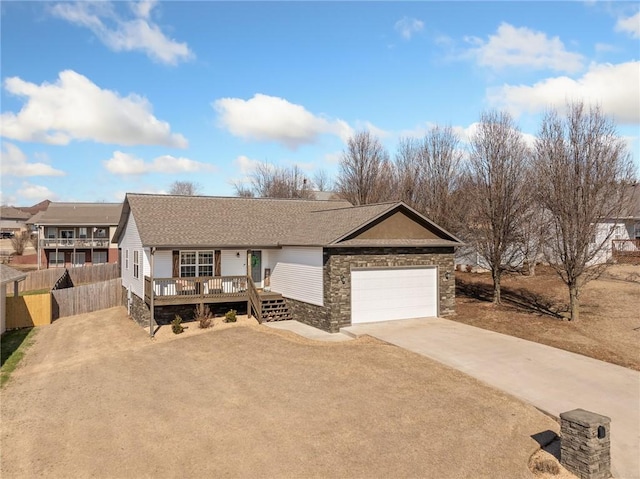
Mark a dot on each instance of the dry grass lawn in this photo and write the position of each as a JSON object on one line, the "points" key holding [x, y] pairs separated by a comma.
{"points": [[95, 397], [534, 307]]}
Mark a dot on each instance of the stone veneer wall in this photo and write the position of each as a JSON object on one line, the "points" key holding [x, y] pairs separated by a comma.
{"points": [[339, 261], [140, 312], [307, 313]]}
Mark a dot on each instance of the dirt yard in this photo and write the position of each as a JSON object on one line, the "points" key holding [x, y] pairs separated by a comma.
{"points": [[95, 397], [534, 308]]}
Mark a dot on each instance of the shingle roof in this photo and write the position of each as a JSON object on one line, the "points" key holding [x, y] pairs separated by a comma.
{"points": [[90, 214], [193, 221], [7, 274], [11, 213]]}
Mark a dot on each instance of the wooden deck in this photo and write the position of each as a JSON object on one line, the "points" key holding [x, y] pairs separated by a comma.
{"points": [[626, 250], [211, 289]]}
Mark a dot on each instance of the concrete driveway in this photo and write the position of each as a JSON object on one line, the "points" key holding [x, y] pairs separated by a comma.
{"points": [[94, 397], [551, 379]]}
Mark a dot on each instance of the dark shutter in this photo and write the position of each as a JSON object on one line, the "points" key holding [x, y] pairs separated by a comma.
{"points": [[176, 264], [218, 263]]}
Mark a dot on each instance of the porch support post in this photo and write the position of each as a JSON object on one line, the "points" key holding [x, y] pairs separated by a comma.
{"points": [[151, 293], [15, 290], [249, 262]]}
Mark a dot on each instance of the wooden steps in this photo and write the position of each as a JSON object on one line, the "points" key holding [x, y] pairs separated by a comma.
{"points": [[275, 309]]}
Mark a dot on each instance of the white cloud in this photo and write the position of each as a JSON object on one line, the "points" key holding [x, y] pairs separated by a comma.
{"points": [[523, 47], [270, 118], [407, 26], [15, 163], [629, 25], [74, 108], [246, 165], [125, 164], [604, 47], [35, 193], [122, 34], [613, 87]]}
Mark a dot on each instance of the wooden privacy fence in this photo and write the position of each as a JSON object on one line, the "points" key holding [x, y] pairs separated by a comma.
{"points": [[47, 278], [28, 311], [86, 298]]}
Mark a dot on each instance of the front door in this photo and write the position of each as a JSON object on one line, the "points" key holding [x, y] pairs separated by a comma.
{"points": [[256, 266]]}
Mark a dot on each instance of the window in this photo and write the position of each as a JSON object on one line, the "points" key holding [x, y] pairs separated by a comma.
{"points": [[99, 257], [101, 233], [78, 259], [82, 233], [126, 259], [56, 260], [50, 232], [136, 264], [637, 231], [196, 263], [67, 237]]}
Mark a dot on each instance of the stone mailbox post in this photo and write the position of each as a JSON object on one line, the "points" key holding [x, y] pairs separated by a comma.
{"points": [[586, 444]]}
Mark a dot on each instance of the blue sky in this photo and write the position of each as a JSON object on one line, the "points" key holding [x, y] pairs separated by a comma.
{"points": [[99, 99]]}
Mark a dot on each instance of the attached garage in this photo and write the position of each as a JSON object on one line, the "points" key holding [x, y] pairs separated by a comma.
{"points": [[384, 294]]}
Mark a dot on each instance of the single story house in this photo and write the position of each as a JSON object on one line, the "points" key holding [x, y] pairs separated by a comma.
{"points": [[75, 234], [325, 263], [7, 276], [620, 236]]}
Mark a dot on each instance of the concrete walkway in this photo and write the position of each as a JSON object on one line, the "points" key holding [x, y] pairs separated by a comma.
{"points": [[307, 331], [551, 379]]}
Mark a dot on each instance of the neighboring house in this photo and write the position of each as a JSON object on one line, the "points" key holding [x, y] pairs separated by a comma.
{"points": [[7, 275], [75, 234], [329, 263], [624, 231], [13, 219], [38, 207]]}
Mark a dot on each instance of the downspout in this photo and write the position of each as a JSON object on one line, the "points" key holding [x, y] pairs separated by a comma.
{"points": [[151, 294]]}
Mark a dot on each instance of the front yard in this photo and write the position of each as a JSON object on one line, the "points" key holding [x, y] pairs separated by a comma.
{"points": [[94, 397], [608, 328]]}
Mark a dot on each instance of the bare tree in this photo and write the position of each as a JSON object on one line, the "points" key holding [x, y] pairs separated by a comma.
{"points": [[497, 200], [269, 181], [185, 188], [584, 170], [366, 174], [322, 181], [410, 174], [19, 242]]}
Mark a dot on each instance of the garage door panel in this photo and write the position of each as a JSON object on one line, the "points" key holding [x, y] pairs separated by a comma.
{"points": [[391, 294]]}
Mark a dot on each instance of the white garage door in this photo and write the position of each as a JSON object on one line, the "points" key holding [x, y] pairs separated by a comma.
{"points": [[386, 294]]}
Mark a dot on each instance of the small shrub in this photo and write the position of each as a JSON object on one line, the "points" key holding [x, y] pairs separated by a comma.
{"points": [[176, 325], [203, 316], [230, 316]]}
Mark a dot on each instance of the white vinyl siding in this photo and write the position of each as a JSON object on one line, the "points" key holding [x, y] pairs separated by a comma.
{"points": [[296, 273], [130, 242], [233, 265], [163, 264], [385, 294]]}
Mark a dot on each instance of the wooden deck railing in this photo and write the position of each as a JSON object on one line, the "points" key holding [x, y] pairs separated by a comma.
{"points": [[254, 300], [74, 243], [204, 288], [629, 247]]}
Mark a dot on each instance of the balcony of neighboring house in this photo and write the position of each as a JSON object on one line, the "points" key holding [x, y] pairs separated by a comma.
{"points": [[75, 238]]}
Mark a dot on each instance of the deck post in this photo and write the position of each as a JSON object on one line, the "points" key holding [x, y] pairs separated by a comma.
{"points": [[151, 293]]}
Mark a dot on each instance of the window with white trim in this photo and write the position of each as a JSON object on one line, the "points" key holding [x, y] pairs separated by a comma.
{"points": [[100, 233], [99, 257], [56, 260], [136, 264], [82, 233], [126, 259], [78, 259], [196, 263]]}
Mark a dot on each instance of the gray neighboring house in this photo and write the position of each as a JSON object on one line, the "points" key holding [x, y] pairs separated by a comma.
{"points": [[13, 219], [7, 275], [325, 263]]}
